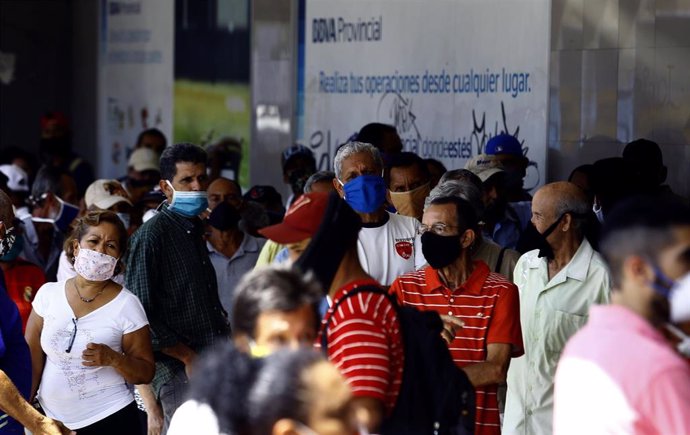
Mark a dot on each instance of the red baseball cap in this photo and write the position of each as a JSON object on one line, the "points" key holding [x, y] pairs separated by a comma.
{"points": [[301, 220]]}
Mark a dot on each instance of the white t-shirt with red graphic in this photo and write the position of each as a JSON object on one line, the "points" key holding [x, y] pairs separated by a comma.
{"points": [[391, 249]]}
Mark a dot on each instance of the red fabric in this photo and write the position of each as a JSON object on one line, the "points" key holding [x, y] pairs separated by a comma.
{"points": [[23, 279], [489, 306], [365, 343]]}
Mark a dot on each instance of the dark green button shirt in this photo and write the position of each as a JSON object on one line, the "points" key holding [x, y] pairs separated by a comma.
{"points": [[168, 268]]}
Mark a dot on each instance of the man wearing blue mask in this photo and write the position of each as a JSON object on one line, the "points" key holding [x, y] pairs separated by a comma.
{"points": [[619, 374], [387, 244], [169, 270]]}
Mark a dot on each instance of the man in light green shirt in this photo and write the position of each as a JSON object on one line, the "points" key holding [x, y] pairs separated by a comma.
{"points": [[557, 285]]}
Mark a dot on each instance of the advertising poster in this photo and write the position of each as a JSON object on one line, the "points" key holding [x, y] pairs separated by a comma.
{"points": [[448, 75], [135, 77]]}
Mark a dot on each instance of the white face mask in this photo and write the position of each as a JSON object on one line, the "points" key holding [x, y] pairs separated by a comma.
{"points": [[596, 208], [679, 300], [94, 266]]}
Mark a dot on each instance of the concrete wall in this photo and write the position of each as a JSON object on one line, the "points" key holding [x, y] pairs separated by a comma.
{"points": [[274, 87], [620, 70]]}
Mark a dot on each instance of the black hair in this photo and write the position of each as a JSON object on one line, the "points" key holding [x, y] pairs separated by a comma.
{"points": [[374, 133], [405, 160], [48, 179], [223, 379], [271, 289], [643, 226], [181, 152], [645, 162], [611, 182], [152, 132], [587, 169], [280, 390], [466, 215]]}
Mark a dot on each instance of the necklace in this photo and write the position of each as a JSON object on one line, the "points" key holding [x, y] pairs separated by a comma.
{"points": [[89, 300]]}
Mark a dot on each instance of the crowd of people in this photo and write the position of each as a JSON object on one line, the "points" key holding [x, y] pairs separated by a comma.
{"points": [[389, 295]]}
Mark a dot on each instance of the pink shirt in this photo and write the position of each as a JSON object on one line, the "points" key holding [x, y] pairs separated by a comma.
{"points": [[618, 375]]}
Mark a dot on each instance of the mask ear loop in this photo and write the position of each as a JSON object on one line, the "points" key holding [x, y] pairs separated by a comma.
{"points": [[661, 284]]}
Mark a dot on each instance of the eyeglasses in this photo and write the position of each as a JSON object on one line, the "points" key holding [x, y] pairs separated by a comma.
{"points": [[74, 335], [437, 228]]}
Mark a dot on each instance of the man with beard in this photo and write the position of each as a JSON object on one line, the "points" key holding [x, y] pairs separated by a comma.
{"points": [[298, 165], [460, 289], [504, 222], [619, 371], [558, 283]]}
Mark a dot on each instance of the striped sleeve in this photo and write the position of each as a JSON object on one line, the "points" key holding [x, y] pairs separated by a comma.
{"points": [[359, 346]]}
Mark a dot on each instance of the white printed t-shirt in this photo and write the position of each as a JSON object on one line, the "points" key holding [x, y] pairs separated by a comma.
{"points": [[70, 392], [390, 250]]}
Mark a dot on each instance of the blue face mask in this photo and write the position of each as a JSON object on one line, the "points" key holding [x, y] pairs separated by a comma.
{"points": [[365, 193], [189, 204]]}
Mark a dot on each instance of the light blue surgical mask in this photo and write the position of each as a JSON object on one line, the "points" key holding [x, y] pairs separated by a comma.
{"points": [[189, 204]]}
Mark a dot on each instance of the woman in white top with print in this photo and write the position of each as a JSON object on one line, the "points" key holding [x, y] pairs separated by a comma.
{"points": [[89, 337]]}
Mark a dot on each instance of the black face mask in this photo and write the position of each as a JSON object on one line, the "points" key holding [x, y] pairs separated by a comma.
{"points": [[440, 251], [532, 239]]}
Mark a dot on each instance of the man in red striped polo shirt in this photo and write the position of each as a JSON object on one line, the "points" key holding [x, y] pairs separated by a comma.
{"points": [[458, 288]]}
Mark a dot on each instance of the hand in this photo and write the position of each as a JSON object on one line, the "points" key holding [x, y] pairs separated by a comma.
{"points": [[188, 369], [98, 355], [450, 325], [48, 426], [154, 420]]}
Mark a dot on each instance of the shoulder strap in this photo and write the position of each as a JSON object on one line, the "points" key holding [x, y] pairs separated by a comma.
{"points": [[353, 292], [76, 162], [499, 262]]}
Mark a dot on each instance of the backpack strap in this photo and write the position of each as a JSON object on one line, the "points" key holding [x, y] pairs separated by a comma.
{"points": [[353, 292], [499, 262]]}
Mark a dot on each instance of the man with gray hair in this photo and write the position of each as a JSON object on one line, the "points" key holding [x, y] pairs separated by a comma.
{"points": [[387, 244], [321, 181], [558, 283]]}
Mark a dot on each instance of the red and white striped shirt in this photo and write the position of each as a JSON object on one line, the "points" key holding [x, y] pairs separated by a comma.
{"points": [[365, 343], [489, 306]]}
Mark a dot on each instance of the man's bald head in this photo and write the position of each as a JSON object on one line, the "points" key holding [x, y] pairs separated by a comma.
{"points": [[224, 190], [556, 199]]}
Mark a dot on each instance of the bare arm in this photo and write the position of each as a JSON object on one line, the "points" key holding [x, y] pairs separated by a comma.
{"points": [[368, 413], [154, 413], [494, 369], [38, 359], [12, 402], [183, 353], [135, 364]]}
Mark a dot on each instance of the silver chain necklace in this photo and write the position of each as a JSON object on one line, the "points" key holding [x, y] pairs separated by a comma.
{"points": [[89, 300]]}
